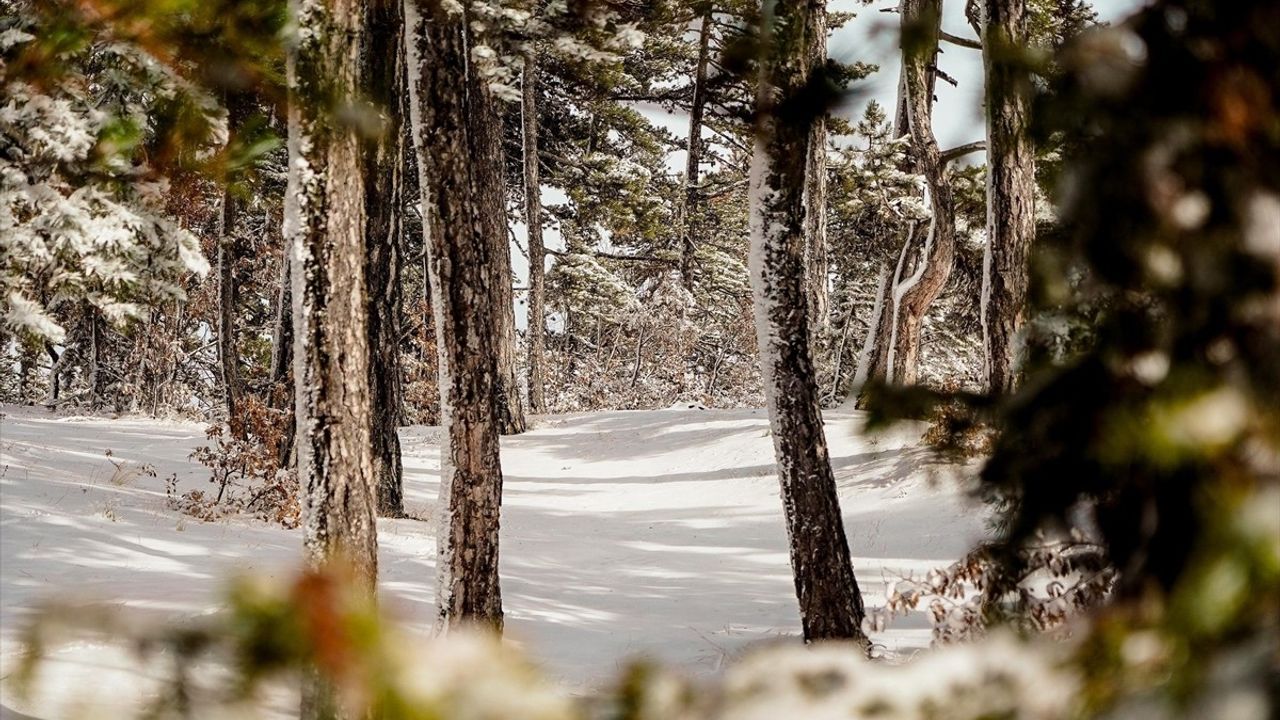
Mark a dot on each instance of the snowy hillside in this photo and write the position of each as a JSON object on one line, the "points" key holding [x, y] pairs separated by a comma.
{"points": [[624, 534]]}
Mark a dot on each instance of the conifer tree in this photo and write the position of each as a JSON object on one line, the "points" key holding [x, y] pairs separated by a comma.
{"points": [[827, 590]]}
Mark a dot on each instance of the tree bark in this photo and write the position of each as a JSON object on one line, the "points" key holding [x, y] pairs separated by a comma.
{"points": [[1011, 224], [325, 226], [830, 602], [693, 160], [914, 293], [485, 138], [228, 215], [384, 203], [816, 183], [537, 324], [282, 357], [460, 249]]}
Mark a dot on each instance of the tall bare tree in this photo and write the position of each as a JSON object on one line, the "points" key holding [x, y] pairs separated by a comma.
{"points": [[1011, 185], [460, 249], [827, 590]]}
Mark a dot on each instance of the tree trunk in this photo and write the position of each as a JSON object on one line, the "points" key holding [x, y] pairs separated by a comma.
{"points": [[95, 356], [537, 323], [485, 138], [830, 602], [877, 356], [465, 303], [1011, 224], [816, 183], [282, 357], [693, 161], [325, 226], [913, 294], [228, 216], [282, 333], [384, 203]]}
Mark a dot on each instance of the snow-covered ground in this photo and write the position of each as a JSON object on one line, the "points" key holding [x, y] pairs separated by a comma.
{"points": [[625, 534]]}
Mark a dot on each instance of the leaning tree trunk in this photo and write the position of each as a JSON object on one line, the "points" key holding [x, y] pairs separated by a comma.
{"points": [[1011, 224], [830, 602], [693, 160], [465, 303], [537, 323], [914, 293], [228, 216], [384, 202], [816, 182], [325, 224]]}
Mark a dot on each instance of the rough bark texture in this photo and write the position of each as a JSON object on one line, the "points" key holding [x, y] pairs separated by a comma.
{"points": [[324, 225], [830, 602], [1011, 182], [816, 181], [485, 138], [464, 300], [384, 203], [537, 323], [228, 251], [914, 293], [693, 160]]}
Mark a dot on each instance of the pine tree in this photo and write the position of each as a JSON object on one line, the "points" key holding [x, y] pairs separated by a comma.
{"points": [[460, 247], [816, 180], [694, 155], [830, 602], [1011, 188], [325, 225]]}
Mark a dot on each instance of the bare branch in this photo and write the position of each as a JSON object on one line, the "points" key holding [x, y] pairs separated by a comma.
{"points": [[960, 151], [961, 41]]}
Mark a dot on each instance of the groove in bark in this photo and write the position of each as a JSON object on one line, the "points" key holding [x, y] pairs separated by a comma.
{"points": [[827, 590], [459, 247], [1011, 224], [537, 324], [384, 202]]}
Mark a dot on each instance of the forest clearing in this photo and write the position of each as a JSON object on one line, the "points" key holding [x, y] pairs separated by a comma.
{"points": [[613, 549]]}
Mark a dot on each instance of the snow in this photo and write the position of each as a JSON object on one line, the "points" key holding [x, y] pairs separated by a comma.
{"points": [[625, 534]]}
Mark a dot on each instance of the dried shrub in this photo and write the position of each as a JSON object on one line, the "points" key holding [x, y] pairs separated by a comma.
{"points": [[245, 458]]}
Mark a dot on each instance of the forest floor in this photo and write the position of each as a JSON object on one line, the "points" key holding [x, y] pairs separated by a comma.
{"points": [[652, 534]]}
